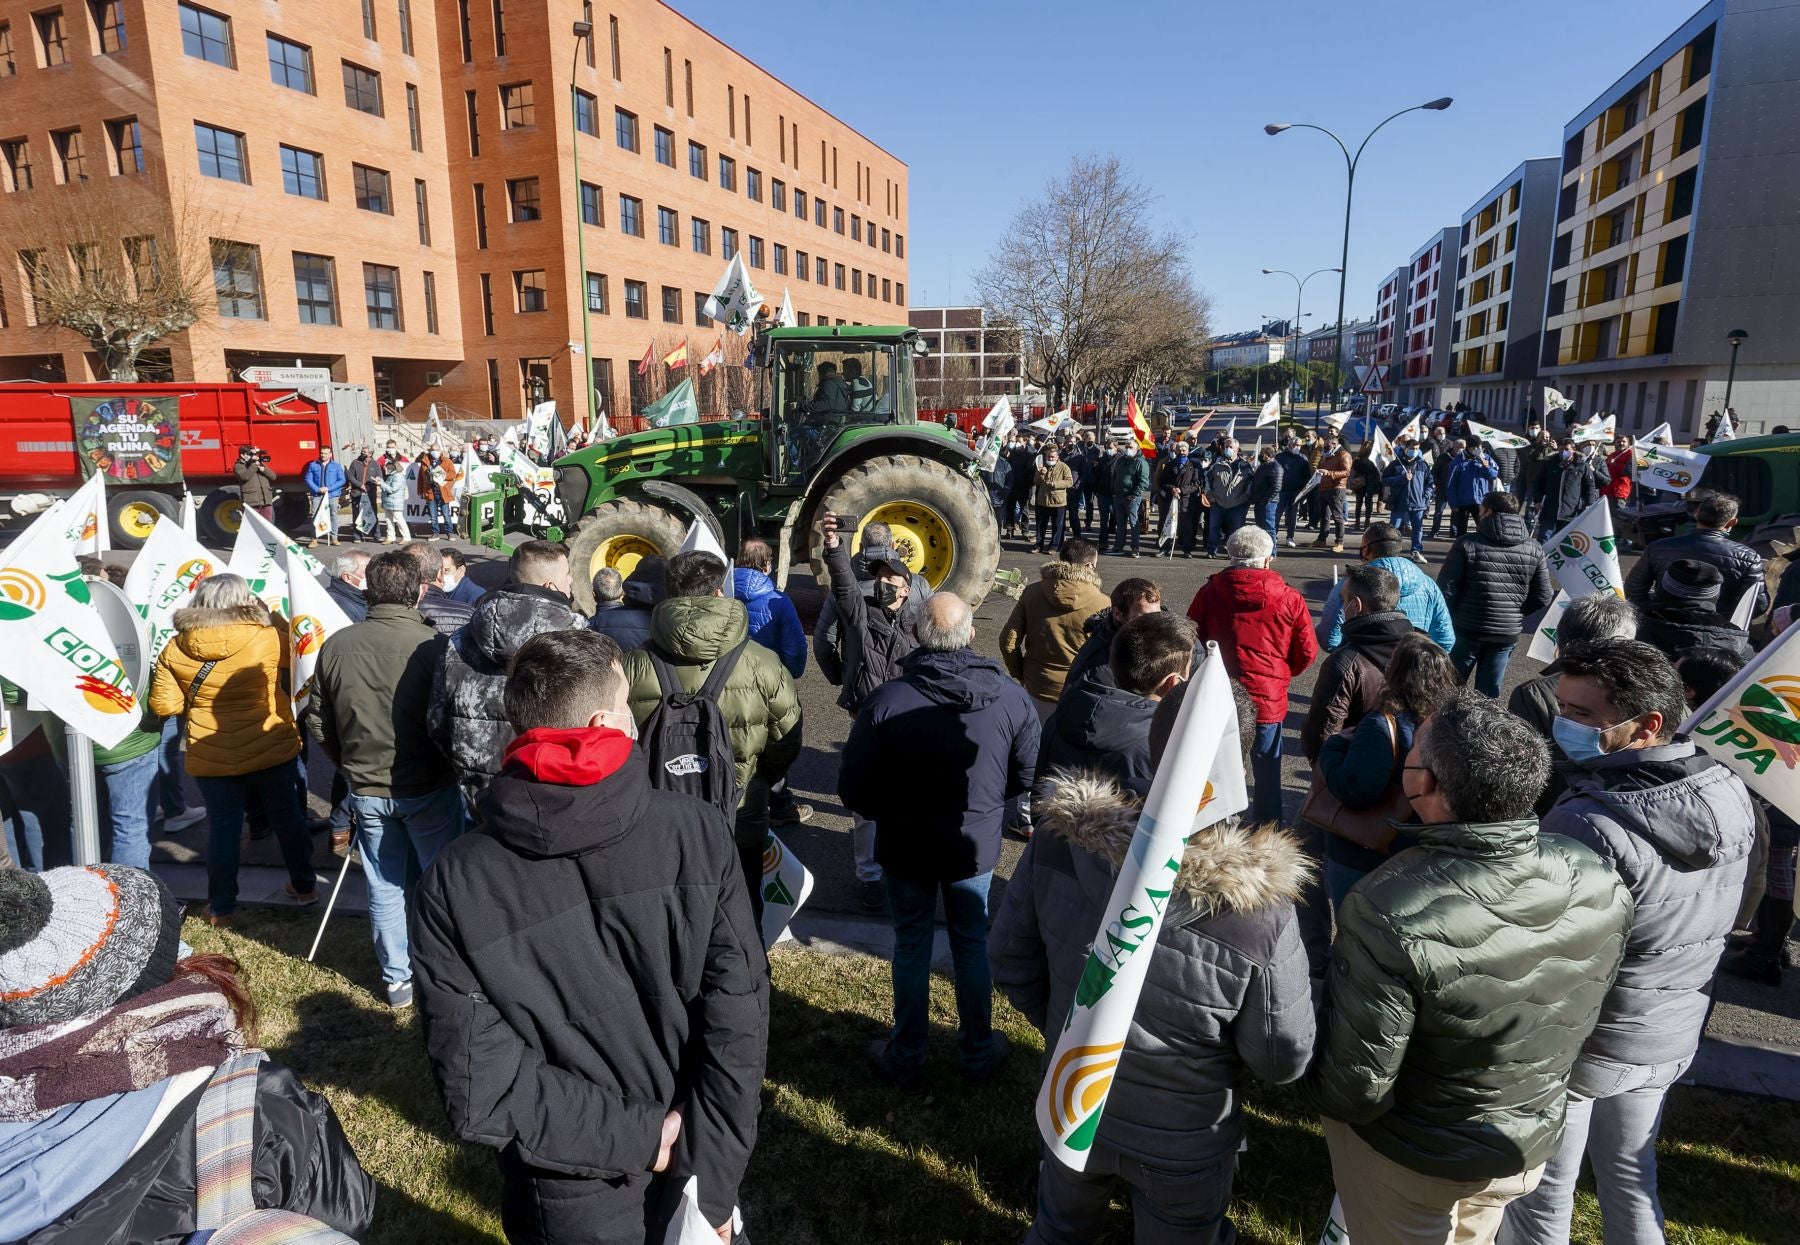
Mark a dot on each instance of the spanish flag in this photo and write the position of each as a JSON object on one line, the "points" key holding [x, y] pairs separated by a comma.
{"points": [[676, 357], [644, 363], [1139, 428]]}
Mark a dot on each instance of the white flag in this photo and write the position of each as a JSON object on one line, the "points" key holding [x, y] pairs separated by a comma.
{"points": [[1543, 638], [689, 1226], [1270, 413], [1584, 556], [785, 885], [262, 554], [1231, 428], [1667, 468], [1752, 726], [190, 518], [999, 418], [1727, 431], [700, 538], [1595, 429], [1337, 419], [1170, 524], [313, 618], [1745, 611], [163, 578], [1414, 430], [1381, 451], [734, 300], [84, 517], [1495, 437], [1554, 401], [1200, 782], [1655, 435], [784, 315]]}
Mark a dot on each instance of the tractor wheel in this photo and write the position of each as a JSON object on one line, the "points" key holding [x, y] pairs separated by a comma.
{"points": [[132, 513], [220, 516], [943, 525], [619, 534]]}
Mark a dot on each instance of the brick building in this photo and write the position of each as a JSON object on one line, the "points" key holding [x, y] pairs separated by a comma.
{"points": [[392, 186], [973, 361], [1424, 363]]}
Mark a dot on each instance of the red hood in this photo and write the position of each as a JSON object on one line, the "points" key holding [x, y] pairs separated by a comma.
{"points": [[570, 758]]}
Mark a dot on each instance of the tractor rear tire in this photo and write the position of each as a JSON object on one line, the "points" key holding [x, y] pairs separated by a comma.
{"points": [[132, 513], [619, 534], [221, 515], [956, 527]]}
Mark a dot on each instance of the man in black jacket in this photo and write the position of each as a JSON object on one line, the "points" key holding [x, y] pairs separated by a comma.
{"points": [[593, 985], [1295, 472], [1493, 580], [876, 546], [1352, 676], [1740, 568], [444, 612], [1683, 613], [1564, 489]]}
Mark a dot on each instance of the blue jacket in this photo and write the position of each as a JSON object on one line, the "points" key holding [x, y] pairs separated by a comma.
{"points": [[1420, 600], [324, 477], [1471, 479], [1415, 494], [774, 623]]}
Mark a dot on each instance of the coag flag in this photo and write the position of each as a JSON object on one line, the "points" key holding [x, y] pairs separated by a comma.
{"points": [[784, 315], [700, 539], [313, 618], [1543, 638], [1495, 437], [1139, 428], [1414, 430], [163, 578], [1752, 726], [1667, 468], [785, 885], [676, 357], [734, 299], [677, 406], [1584, 556], [84, 517], [1270, 413], [1200, 781]]}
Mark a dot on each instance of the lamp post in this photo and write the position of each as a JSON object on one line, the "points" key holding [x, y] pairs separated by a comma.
{"points": [[1299, 291], [1736, 337], [1350, 162], [583, 31]]}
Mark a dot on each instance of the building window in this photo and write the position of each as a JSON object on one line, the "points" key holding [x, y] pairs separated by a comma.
{"points": [[671, 305], [431, 312], [596, 293], [487, 306], [837, 220], [462, 18], [499, 27], [493, 375], [702, 236], [302, 172], [481, 230], [290, 64], [802, 266], [625, 129], [634, 301], [422, 209], [856, 230], [756, 251], [665, 146], [381, 296], [522, 199], [362, 89], [534, 380], [696, 160], [887, 290], [221, 153], [109, 24], [727, 173], [667, 227], [781, 262], [587, 15], [631, 216], [474, 122], [819, 277], [205, 35], [414, 138], [529, 294], [516, 107], [753, 185], [237, 278], [591, 211], [587, 114], [799, 204], [899, 246], [8, 65], [406, 49], [900, 293], [314, 288], [819, 212], [855, 280], [728, 243], [127, 145], [612, 25], [887, 240], [368, 16], [778, 194], [373, 190]]}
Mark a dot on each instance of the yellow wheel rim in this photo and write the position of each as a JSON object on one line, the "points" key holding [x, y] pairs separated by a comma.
{"points": [[137, 518], [922, 538], [229, 516], [623, 553]]}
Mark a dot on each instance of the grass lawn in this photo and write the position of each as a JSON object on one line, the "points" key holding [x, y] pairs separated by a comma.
{"points": [[843, 1159]]}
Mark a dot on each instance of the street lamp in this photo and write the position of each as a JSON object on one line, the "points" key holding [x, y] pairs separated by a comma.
{"points": [[1736, 337], [583, 31], [1299, 290], [1350, 161]]}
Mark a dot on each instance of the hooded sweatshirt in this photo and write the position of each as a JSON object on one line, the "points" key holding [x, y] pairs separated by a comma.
{"points": [[774, 623], [1099, 727], [1263, 631], [1048, 626]]}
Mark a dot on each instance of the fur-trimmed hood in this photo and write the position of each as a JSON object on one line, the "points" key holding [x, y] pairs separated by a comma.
{"points": [[193, 618], [1069, 585], [1229, 867], [220, 634]]}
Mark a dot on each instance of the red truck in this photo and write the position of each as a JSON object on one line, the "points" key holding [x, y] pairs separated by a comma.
{"points": [[157, 441]]}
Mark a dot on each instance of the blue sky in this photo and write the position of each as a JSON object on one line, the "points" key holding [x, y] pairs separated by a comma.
{"points": [[987, 99]]}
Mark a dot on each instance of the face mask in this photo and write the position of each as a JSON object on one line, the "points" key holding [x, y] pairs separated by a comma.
{"points": [[886, 595], [1230, 452], [451, 581], [630, 729], [1567, 455], [1579, 743]]}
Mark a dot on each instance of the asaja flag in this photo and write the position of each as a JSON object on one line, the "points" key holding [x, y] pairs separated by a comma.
{"points": [[1667, 468], [84, 517], [262, 554], [1200, 782], [734, 299], [785, 885], [714, 357], [313, 618], [54, 644], [676, 357], [163, 578], [1595, 429], [999, 417], [1414, 430], [649, 358], [700, 539], [1139, 428], [1381, 451], [1495, 437], [1554, 400], [1270, 413], [1584, 556], [1752, 726], [1543, 637], [677, 406], [784, 315]]}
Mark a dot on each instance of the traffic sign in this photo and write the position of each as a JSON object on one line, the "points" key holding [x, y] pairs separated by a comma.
{"points": [[286, 377]]}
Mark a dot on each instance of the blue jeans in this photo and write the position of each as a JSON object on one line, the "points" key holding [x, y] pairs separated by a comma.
{"points": [[1266, 517], [1417, 519], [127, 791], [1487, 658], [914, 904], [1265, 767], [1125, 514], [170, 770], [225, 799], [1221, 522], [399, 837], [443, 517], [1339, 878]]}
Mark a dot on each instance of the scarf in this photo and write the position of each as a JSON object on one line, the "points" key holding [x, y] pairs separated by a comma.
{"points": [[184, 1025]]}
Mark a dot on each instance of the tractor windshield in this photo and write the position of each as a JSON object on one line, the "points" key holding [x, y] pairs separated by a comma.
{"points": [[824, 386]]}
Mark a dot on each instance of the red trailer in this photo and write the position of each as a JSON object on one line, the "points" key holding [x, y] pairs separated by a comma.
{"points": [[54, 436]]}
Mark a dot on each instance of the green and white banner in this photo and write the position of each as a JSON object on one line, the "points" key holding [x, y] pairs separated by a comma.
{"points": [[262, 554], [1667, 468], [677, 406], [1200, 781], [1495, 437], [163, 578], [1752, 726], [785, 885], [1584, 556]]}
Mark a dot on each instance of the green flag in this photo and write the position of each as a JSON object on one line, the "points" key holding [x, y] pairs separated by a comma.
{"points": [[675, 407]]}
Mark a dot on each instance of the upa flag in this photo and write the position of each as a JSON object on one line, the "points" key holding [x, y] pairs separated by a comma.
{"points": [[714, 357], [1414, 430], [1595, 429], [1752, 726], [784, 315], [785, 885], [1667, 468], [676, 357], [1050, 423], [1554, 401], [313, 619], [1495, 437], [1270, 413], [1139, 428], [675, 407], [734, 300], [649, 358], [84, 517], [1543, 637], [163, 578], [54, 644], [1200, 781], [1584, 556]]}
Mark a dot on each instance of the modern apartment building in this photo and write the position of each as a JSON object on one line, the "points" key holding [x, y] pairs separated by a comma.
{"points": [[973, 361], [1423, 367], [425, 154], [1501, 267], [1383, 347]]}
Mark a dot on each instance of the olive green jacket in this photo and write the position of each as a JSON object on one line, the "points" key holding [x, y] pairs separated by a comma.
{"points": [[1468, 970]]}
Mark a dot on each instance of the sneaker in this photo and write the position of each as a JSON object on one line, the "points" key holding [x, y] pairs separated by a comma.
{"points": [[871, 897], [795, 814], [399, 994], [999, 1047], [181, 821], [1337, 548], [892, 1071], [1289, 542], [1419, 558], [304, 899]]}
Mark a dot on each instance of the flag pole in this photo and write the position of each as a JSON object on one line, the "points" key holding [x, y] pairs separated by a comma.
{"points": [[84, 802]]}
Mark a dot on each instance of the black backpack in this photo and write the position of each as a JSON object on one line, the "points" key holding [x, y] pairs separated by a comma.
{"points": [[686, 737]]}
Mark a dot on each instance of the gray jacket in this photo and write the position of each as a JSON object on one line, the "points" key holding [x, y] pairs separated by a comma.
{"points": [[1227, 988], [1677, 826]]}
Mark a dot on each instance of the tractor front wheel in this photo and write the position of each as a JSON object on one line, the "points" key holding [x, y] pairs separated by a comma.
{"points": [[619, 534], [942, 524]]}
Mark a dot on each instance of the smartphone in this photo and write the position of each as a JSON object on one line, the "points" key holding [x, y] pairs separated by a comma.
{"points": [[848, 523]]}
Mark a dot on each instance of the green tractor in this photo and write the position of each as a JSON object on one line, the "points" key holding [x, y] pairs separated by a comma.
{"points": [[840, 435]]}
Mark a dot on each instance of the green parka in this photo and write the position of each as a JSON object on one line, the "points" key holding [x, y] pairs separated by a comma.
{"points": [[1468, 970]]}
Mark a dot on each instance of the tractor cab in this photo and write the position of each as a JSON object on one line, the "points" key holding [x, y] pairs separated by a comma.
{"points": [[825, 381]]}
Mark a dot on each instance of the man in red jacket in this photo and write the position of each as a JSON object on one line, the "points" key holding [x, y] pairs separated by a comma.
{"points": [[1265, 635]]}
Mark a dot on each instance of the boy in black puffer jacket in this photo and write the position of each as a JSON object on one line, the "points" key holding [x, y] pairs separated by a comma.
{"points": [[1493, 580]]}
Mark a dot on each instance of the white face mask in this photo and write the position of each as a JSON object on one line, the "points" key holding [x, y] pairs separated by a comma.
{"points": [[450, 580], [629, 730]]}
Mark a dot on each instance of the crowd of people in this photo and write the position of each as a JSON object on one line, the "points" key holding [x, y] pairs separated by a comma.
{"points": [[1483, 944]]}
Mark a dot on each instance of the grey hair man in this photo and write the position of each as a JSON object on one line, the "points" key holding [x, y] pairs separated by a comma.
{"points": [[609, 587], [1250, 546], [349, 579], [1593, 619]]}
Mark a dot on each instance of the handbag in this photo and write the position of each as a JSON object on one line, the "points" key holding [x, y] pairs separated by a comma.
{"points": [[1371, 827]]}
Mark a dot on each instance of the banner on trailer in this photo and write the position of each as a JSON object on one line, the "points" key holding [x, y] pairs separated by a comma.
{"points": [[128, 440]]}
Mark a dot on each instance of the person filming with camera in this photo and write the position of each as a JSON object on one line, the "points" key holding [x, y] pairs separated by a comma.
{"points": [[256, 481]]}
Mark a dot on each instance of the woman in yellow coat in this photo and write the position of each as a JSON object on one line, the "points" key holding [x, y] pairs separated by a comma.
{"points": [[225, 674]]}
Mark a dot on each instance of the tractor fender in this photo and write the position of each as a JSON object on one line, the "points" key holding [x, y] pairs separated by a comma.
{"points": [[685, 503], [894, 441]]}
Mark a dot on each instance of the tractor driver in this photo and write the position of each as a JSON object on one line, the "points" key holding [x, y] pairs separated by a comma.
{"points": [[862, 392], [832, 397]]}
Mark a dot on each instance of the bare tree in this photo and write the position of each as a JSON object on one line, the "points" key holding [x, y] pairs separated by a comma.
{"points": [[952, 382], [1163, 343], [120, 265]]}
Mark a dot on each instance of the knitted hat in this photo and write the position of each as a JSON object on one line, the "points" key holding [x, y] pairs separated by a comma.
{"points": [[75, 941], [1691, 580]]}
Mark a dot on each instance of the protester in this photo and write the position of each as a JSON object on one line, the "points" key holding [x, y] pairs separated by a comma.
{"points": [[437, 486], [1130, 598], [1677, 827], [325, 482], [1226, 991], [1473, 475], [1181, 484], [371, 693], [1296, 470], [1535, 460], [1621, 468], [349, 572], [1265, 491], [1051, 483], [1130, 491], [1683, 613], [1420, 598], [876, 549], [107, 1038], [1411, 486], [1228, 490], [1467, 972], [445, 614], [932, 759], [1081, 457], [1264, 634], [1493, 580], [1021, 461], [256, 481], [1710, 541], [774, 623], [226, 673], [1445, 451], [393, 468], [1365, 484], [1334, 470], [1100, 491], [361, 479], [1046, 628], [593, 986], [628, 623], [456, 581], [467, 715], [1564, 490], [1597, 618], [1352, 675]]}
